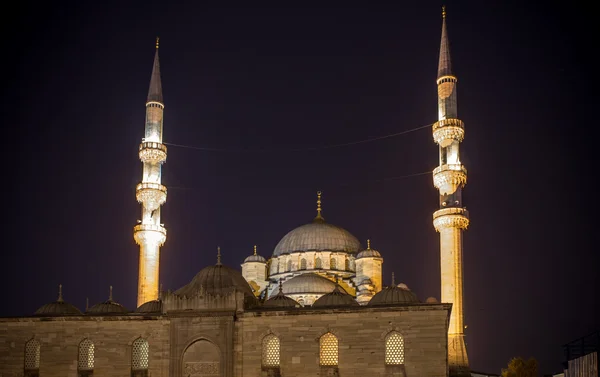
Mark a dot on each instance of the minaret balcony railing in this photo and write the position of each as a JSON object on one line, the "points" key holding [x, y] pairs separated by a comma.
{"points": [[453, 217], [446, 131], [153, 152], [447, 178], [149, 234], [151, 195]]}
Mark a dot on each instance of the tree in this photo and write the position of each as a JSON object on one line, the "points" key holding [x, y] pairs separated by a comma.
{"points": [[518, 367]]}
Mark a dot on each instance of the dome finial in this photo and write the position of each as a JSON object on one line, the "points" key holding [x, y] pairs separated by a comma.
{"points": [[157, 43], [393, 280], [60, 298], [110, 298], [369, 244], [218, 255], [443, 12], [254, 249], [319, 217], [280, 286]]}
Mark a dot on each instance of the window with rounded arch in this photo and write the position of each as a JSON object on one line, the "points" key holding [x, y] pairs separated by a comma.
{"points": [[347, 264], [332, 263], [270, 351], [394, 348], [289, 265], [303, 264], [318, 263], [32, 358], [328, 353], [85, 358], [140, 351]]}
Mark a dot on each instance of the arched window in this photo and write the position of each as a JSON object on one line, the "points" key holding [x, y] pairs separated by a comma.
{"points": [[303, 264], [270, 351], [328, 353], [318, 263], [289, 265], [85, 359], [301, 301], [32, 358], [139, 358], [394, 348], [347, 264], [332, 263]]}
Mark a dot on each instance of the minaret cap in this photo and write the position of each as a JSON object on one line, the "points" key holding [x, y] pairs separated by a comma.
{"points": [[444, 65], [155, 90]]}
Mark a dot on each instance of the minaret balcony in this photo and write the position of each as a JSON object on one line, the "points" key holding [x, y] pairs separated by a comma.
{"points": [[152, 234], [446, 131], [453, 217], [151, 195], [447, 178], [153, 152]]}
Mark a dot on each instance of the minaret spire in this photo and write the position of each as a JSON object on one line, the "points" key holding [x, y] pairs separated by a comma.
{"points": [[150, 234], [452, 218], [445, 64]]}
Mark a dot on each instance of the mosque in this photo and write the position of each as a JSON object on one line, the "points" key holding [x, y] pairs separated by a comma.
{"points": [[316, 307]]}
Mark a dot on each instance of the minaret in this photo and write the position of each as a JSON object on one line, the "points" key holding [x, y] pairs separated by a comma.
{"points": [[150, 234], [452, 218]]}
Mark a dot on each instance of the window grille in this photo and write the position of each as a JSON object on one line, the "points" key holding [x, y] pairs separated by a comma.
{"points": [[139, 354], [332, 264], [347, 264], [85, 360], [318, 263], [303, 264], [328, 349], [270, 351], [394, 349], [32, 355], [289, 265]]}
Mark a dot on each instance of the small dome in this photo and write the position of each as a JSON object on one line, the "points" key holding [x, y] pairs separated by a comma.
{"points": [[368, 252], [338, 297], [399, 294], [431, 300], [281, 301], [154, 306], [58, 307], [216, 280], [255, 257], [107, 307], [308, 283]]}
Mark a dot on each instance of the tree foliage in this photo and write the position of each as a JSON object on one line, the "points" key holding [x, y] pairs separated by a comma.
{"points": [[519, 367]]}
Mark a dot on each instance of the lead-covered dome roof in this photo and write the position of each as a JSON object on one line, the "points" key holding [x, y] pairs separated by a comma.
{"points": [[107, 307], [338, 297], [317, 236], [58, 307], [308, 283], [255, 257], [216, 280], [153, 306], [281, 301], [394, 294]]}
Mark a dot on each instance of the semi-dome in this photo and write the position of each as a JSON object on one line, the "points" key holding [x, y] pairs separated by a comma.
{"points": [[108, 307], [338, 297], [368, 252], [58, 307], [216, 280], [317, 236], [154, 306], [394, 294], [308, 283], [281, 301]]}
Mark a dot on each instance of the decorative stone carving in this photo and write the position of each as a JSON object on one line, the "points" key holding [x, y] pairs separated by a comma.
{"points": [[447, 178], [446, 131], [454, 217], [149, 234], [153, 152], [153, 195]]}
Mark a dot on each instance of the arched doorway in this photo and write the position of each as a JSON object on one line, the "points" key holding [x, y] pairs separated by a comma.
{"points": [[202, 359]]}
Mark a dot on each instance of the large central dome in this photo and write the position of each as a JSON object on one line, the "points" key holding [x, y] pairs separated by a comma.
{"points": [[317, 236]]}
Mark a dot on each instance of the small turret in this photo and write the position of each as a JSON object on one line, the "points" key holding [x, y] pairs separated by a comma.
{"points": [[254, 270], [368, 274]]}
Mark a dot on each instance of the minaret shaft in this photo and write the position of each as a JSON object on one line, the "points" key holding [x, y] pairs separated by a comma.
{"points": [[452, 218], [150, 234]]}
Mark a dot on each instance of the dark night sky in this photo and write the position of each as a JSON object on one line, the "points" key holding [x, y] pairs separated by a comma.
{"points": [[74, 90]]}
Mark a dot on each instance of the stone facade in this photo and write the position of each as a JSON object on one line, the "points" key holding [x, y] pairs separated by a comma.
{"points": [[229, 343]]}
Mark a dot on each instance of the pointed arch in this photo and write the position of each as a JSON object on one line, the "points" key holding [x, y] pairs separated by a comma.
{"points": [[394, 348], [32, 358], [332, 263], [328, 349], [347, 264], [303, 264], [289, 265], [140, 354], [85, 358], [318, 263], [270, 351]]}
